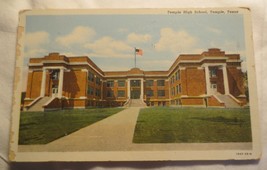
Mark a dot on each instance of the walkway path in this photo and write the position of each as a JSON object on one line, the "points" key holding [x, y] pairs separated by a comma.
{"points": [[115, 133]]}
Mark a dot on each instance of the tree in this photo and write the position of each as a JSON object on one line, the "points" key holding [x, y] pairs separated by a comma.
{"points": [[245, 84]]}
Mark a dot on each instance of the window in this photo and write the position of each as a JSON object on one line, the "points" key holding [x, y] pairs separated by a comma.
{"points": [[135, 83], [177, 89], [121, 83], [161, 82], [173, 91], [90, 76], [178, 102], [97, 80], [177, 75], [172, 79], [213, 72], [54, 89], [90, 90], [54, 74], [149, 82], [149, 93], [110, 93], [121, 93], [161, 93], [110, 83], [97, 92], [213, 86]]}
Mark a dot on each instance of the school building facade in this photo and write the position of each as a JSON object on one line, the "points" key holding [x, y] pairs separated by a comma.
{"points": [[210, 79]]}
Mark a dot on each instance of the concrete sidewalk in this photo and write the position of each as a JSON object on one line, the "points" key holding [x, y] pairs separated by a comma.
{"points": [[113, 133]]}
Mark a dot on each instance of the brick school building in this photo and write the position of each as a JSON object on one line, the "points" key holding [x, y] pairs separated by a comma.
{"points": [[210, 79]]}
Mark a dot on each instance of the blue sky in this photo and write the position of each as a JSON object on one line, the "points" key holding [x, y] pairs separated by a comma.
{"points": [[109, 40]]}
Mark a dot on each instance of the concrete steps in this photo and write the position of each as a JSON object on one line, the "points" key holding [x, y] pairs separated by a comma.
{"points": [[38, 106], [135, 103], [228, 101]]}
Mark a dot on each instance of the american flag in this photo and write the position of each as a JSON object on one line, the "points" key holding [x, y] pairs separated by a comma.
{"points": [[139, 51]]}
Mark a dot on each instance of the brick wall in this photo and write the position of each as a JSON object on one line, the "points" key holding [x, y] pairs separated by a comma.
{"points": [[74, 84], [220, 82], [193, 81], [70, 103], [192, 101], [34, 84], [56, 103], [212, 101], [235, 78]]}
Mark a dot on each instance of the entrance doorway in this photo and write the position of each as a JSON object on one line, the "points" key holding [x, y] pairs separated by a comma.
{"points": [[135, 88], [213, 88], [135, 93], [54, 90]]}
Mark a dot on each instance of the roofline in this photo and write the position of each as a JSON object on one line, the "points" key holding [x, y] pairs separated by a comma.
{"points": [[162, 73]]}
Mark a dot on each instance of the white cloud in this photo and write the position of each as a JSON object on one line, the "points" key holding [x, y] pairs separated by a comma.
{"points": [[175, 41], [138, 38], [233, 47], [71, 54], [227, 46], [115, 68], [79, 35], [35, 42], [214, 30], [36, 39], [122, 30], [161, 64], [108, 47], [35, 52]]}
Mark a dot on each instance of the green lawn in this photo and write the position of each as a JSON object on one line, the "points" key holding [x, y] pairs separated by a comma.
{"points": [[44, 127], [192, 125]]}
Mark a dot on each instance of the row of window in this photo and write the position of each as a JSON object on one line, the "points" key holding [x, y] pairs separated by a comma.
{"points": [[175, 77], [121, 83], [176, 90], [121, 93], [90, 91], [150, 93], [136, 83], [159, 103], [91, 78], [151, 83]]}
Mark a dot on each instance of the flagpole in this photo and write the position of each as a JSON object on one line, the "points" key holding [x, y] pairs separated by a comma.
{"points": [[134, 57]]}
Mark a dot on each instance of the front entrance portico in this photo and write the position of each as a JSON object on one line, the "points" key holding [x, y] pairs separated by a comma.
{"points": [[211, 88], [58, 74], [135, 88]]}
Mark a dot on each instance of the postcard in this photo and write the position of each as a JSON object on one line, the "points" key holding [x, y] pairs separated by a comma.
{"points": [[135, 85]]}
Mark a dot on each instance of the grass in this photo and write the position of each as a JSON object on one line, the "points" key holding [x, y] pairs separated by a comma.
{"points": [[44, 127], [192, 125]]}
